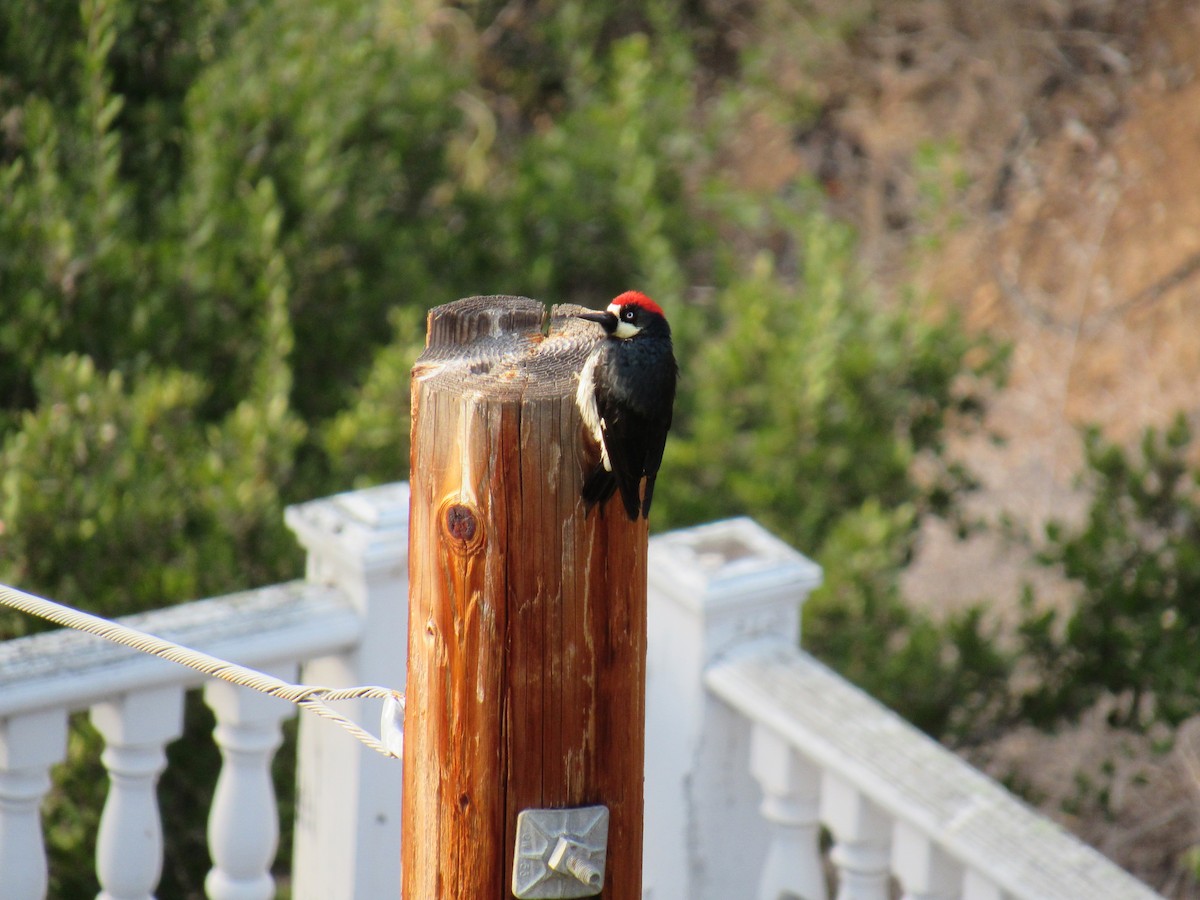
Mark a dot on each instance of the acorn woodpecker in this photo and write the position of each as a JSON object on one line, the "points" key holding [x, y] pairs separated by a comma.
{"points": [[626, 394]]}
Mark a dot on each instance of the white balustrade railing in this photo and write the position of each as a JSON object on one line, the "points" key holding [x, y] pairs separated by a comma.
{"points": [[344, 626], [754, 751], [243, 829], [136, 727], [740, 698], [30, 743]]}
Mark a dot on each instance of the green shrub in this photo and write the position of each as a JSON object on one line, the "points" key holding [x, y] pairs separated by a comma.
{"points": [[1136, 560], [951, 679], [807, 396], [228, 219]]}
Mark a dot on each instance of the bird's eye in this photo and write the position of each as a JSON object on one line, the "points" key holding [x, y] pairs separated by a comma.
{"points": [[628, 314]]}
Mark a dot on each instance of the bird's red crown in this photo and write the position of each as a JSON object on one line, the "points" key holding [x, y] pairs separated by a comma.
{"points": [[637, 298]]}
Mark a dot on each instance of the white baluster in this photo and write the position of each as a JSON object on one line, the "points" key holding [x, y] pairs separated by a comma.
{"points": [[135, 728], [29, 745], [924, 869], [711, 590], [243, 826], [791, 791], [348, 808], [862, 833]]}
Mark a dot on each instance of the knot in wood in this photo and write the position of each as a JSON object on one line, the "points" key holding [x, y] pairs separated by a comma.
{"points": [[462, 527], [460, 522]]}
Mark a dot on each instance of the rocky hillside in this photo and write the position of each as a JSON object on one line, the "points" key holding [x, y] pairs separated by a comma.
{"points": [[1035, 164]]}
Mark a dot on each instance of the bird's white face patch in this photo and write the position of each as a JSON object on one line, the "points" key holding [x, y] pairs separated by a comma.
{"points": [[625, 330]]}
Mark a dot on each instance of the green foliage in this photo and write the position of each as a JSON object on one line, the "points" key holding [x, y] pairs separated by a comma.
{"points": [[811, 397], [825, 412], [227, 220], [600, 191], [348, 114], [941, 181], [89, 253], [93, 475], [1136, 558], [1191, 860], [93, 479], [365, 443], [950, 679], [91, 488]]}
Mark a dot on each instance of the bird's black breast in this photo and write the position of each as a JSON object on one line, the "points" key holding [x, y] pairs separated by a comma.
{"points": [[640, 377]]}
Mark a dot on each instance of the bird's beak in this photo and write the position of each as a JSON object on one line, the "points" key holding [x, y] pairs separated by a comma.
{"points": [[600, 318]]}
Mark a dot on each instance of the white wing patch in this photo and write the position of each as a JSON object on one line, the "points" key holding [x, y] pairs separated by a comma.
{"points": [[585, 399]]}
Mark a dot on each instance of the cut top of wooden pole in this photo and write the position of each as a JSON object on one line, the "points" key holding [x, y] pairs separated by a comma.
{"points": [[502, 346], [527, 635]]}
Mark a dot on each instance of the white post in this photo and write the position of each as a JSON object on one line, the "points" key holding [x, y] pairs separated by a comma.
{"points": [[348, 810], [791, 804], [711, 589], [136, 727], [861, 837], [243, 824], [924, 870], [29, 745]]}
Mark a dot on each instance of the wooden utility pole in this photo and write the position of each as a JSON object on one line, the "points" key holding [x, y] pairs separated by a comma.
{"points": [[527, 634]]}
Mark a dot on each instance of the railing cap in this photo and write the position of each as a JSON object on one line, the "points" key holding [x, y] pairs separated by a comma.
{"points": [[840, 729], [289, 621], [723, 564], [368, 526]]}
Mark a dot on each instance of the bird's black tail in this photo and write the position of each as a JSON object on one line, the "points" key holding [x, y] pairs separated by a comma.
{"points": [[648, 496]]}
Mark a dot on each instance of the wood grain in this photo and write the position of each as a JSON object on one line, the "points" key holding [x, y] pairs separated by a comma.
{"points": [[527, 642]]}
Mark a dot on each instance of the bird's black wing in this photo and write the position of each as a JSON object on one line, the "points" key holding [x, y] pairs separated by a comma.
{"points": [[625, 439], [658, 441], [657, 427], [635, 433]]}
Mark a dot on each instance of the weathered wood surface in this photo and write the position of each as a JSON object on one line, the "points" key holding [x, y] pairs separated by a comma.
{"points": [[527, 638]]}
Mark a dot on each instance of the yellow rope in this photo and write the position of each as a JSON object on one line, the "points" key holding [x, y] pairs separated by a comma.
{"points": [[310, 697]]}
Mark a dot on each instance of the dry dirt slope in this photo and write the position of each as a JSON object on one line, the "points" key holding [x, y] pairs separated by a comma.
{"points": [[1051, 148]]}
